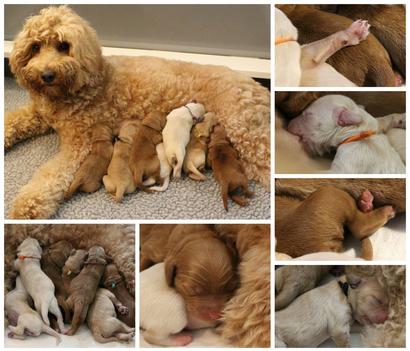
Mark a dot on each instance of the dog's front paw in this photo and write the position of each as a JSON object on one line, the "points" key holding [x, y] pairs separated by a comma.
{"points": [[399, 121], [389, 212], [357, 32], [123, 310]]}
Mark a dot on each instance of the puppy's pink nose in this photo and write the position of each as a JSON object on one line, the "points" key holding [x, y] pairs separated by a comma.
{"points": [[214, 315], [293, 127], [380, 317]]}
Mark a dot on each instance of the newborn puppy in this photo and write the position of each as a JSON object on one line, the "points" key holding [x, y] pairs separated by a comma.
{"points": [[195, 158], [228, 171], [314, 317], [119, 180], [335, 122], [114, 282], [89, 175], [102, 319], [292, 281], [165, 169], [84, 286], [202, 269], [52, 262], [368, 298], [143, 161], [38, 285], [23, 320], [162, 310], [317, 223], [177, 131]]}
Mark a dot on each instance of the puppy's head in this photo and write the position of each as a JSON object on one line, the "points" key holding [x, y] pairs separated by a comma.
{"points": [[96, 254], [201, 268], [218, 134], [30, 247], [328, 121], [284, 27], [204, 128], [366, 295], [57, 53], [74, 262], [111, 276], [59, 252]]}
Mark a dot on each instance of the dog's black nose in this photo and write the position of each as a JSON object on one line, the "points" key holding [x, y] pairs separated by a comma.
{"points": [[48, 76]]}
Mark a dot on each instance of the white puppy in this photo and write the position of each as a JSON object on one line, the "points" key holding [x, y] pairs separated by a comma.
{"points": [[306, 65], [176, 133], [335, 122], [165, 169], [102, 319], [23, 320], [314, 317], [162, 310], [38, 285]]}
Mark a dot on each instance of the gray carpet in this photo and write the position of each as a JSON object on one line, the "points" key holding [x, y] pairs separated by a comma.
{"points": [[184, 199]]}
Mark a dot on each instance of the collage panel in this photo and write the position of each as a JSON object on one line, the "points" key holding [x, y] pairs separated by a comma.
{"points": [[340, 306], [205, 285], [69, 285], [179, 129]]}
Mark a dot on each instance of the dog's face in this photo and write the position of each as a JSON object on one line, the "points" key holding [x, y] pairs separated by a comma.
{"points": [[30, 247], [56, 53], [75, 262], [204, 128], [59, 252], [368, 299], [328, 121], [202, 270]]}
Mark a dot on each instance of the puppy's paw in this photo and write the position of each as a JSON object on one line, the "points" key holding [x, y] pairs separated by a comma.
{"points": [[365, 201], [181, 339], [399, 121], [358, 31], [123, 310], [389, 212]]}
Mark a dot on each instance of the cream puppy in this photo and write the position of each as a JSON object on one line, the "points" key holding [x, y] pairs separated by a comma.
{"points": [[313, 317], [164, 171], [23, 320], [119, 179], [102, 318], [38, 285], [336, 123], [306, 65], [177, 131], [162, 310], [195, 158]]}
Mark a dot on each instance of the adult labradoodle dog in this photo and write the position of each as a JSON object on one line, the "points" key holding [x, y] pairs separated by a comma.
{"points": [[57, 58]]}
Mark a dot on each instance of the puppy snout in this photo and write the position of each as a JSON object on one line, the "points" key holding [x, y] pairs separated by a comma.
{"points": [[48, 76]]}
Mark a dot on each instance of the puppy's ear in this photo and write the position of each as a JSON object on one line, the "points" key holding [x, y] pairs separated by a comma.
{"points": [[344, 117], [170, 271]]}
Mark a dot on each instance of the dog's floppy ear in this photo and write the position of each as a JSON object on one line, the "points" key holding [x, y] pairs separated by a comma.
{"points": [[170, 271], [344, 117]]}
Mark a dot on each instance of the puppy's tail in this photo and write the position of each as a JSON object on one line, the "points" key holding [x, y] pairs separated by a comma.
{"points": [[195, 173], [285, 296], [224, 193], [48, 330], [44, 313], [163, 187], [367, 249]]}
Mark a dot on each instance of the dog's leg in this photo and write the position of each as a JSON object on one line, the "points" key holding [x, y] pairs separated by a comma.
{"points": [[40, 198], [22, 124], [319, 51], [394, 120], [365, 224], [54, 309], [340, 335], [367, 249]]}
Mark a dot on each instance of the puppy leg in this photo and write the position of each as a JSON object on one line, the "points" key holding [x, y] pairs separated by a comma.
{"points": [[340, 334], [55, 310], [394, 120], [17, 332], [365, 224], [22, 124], [367, 249], [79, 308], [319, 51]]}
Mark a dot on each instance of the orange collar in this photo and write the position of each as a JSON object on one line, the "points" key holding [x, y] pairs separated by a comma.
{"points": [[283, 40], [362, 135], [22, 258]]}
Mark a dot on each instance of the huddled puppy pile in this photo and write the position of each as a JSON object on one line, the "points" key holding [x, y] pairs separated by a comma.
{"points": [[82, 283]]}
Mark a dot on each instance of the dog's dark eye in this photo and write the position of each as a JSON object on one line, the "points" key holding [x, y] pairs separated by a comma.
{"points": [[35, 48], [63, 46], [354, 285]]}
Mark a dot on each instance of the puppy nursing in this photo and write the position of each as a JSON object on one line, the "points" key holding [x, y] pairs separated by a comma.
{"points": [[336, 123]]}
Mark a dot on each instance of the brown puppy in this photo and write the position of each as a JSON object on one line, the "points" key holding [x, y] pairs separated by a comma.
{"points": [[84, 286], [90, 174], [144, 162], [119, 179], [388, 26], [114, 282], [228, 171], [52, 263], [367, 64], [317, 223], [202, 269]]}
